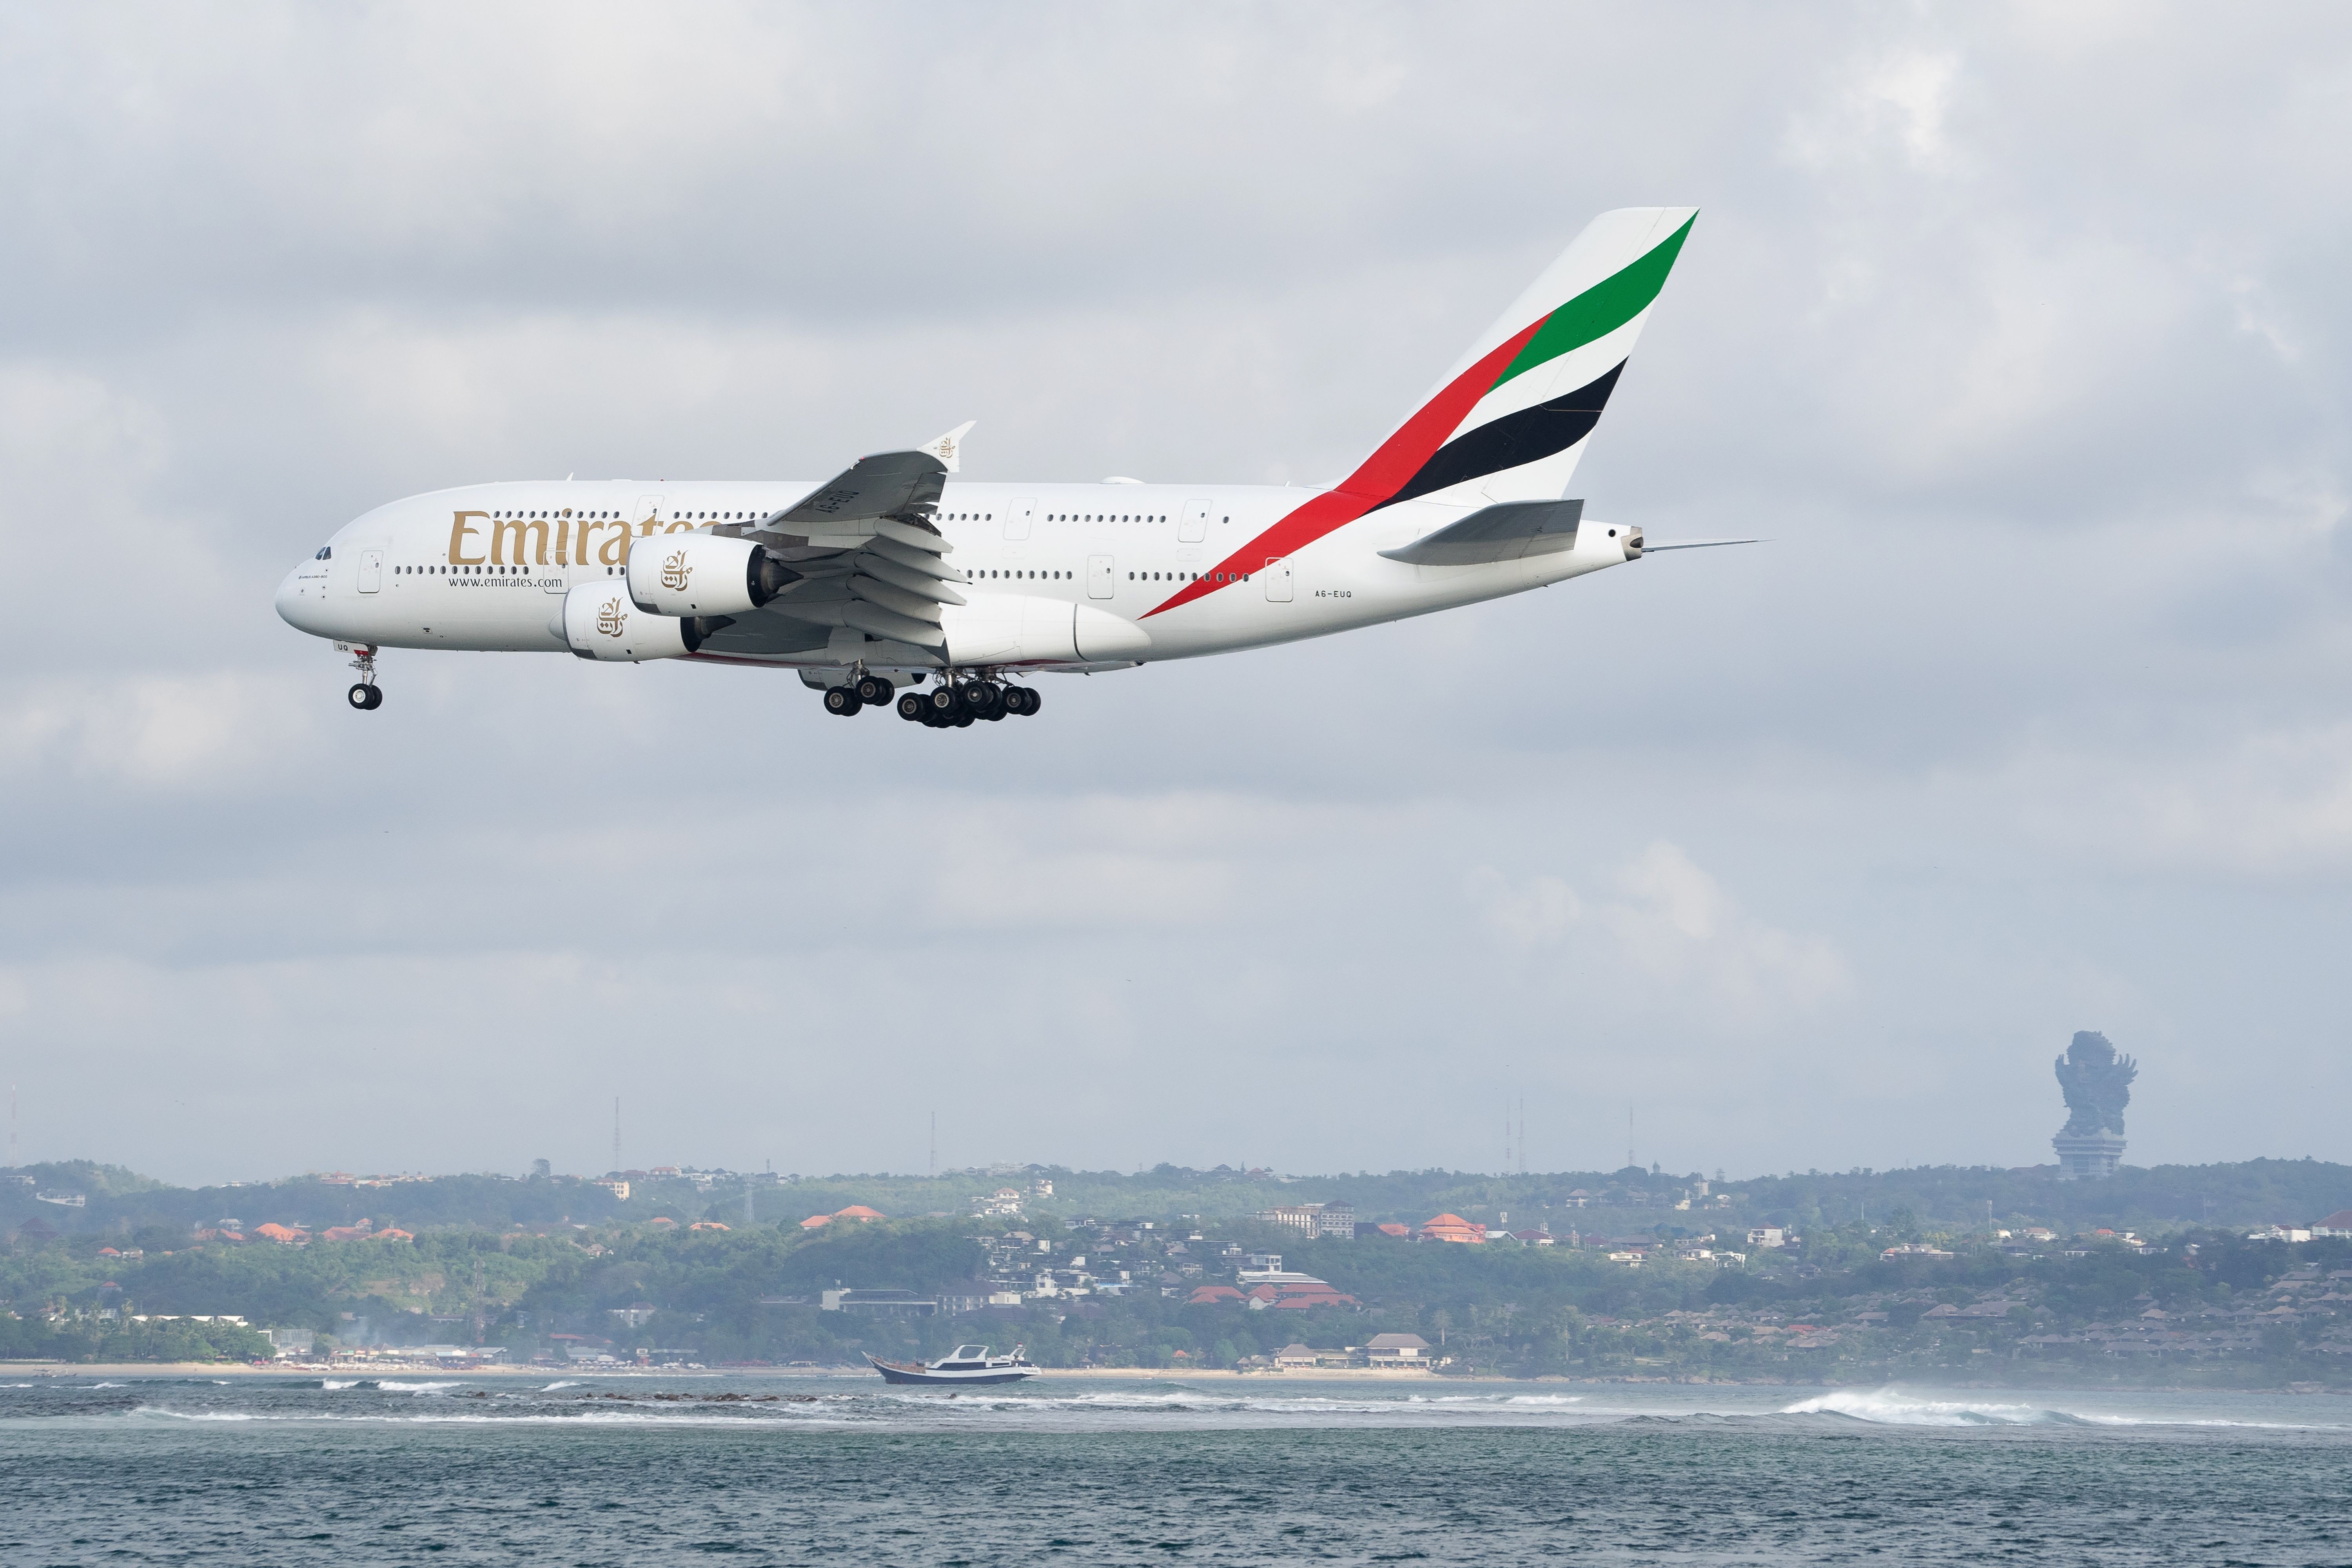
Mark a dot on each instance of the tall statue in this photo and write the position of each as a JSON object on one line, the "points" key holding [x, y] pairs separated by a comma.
{"points": [[2097, 1082]]}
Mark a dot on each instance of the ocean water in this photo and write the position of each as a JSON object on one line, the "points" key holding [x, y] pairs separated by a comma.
{"points": [[632, 1470]]}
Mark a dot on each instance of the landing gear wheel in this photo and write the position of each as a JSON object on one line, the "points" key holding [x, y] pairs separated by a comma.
{"points": [[985, 697], [910, 707], [366, 697], [946, 700], [1030, 701], [963, 721], [873, 690], [842, 700]]}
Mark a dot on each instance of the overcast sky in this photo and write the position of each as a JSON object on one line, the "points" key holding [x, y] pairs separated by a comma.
{"points": [[2020, 332]]}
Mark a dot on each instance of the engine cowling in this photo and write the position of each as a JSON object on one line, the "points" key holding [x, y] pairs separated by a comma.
{"points": [[599, 622], [703, 575]]}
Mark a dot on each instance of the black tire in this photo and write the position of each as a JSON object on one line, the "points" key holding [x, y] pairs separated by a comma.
{"points": [[910, 706], [963, 720], [985, 696], [364, 697], [1030, 702], [873, 690], [945, 700], [842, 700]]}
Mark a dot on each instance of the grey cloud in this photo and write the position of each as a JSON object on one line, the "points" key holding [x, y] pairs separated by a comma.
{"points": [[2017, 331]]}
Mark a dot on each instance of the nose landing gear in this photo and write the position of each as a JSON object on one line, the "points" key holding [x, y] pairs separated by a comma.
{"points": [[365, 695]]}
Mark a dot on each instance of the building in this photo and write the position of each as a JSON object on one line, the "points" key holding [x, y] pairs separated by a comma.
{"points": [[618, 1188], [635, 1315], [1294, 1358], [2339, 1224], [976, 1295], [1769, 1236], [1397, 1350], [1449, 1227], [878, 1303]]}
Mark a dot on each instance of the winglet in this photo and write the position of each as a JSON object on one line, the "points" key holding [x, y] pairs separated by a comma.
{"points": [[949, 447]]}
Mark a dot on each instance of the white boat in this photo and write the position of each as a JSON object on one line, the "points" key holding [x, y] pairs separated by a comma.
{"points": [[963, 1364]]}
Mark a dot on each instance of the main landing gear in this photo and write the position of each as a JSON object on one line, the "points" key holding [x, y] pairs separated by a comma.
{"points": [[865, 691], [955, 704], [952, 704], [365, 694]]}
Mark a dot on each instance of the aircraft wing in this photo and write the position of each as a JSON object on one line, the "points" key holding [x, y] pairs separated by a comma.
{"points": [[867, 550]]}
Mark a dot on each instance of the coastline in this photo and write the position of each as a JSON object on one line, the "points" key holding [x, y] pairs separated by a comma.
{"points": [[20, 1370]]}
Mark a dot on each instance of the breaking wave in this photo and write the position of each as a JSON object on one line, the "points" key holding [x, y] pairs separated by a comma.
{"points": [[1892, 1407]]}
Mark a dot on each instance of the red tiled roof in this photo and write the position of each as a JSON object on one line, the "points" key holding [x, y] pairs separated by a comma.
{"points": [[859, 1211], [1207, 1295]]}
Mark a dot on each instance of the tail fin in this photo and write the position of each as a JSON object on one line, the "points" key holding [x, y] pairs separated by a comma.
{"points": [[1509, 422]]}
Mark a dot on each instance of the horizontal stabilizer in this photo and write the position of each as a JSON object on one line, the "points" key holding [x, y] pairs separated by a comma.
{"points": [[1649, 549], [1509, 531]]}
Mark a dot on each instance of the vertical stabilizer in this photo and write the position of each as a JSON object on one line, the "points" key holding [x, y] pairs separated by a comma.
{"points": [[1509, 422]]}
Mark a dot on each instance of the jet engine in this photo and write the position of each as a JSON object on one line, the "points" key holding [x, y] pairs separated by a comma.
{"points": [[703, 575], [599, 622]]}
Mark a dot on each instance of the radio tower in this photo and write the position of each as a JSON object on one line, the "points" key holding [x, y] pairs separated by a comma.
{"points": [[616, 1135]]}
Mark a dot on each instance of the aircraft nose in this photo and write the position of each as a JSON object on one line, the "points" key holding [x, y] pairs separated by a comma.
{"points": [[302, 604]]}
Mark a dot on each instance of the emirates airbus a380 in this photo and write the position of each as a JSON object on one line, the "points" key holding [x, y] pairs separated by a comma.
{"points": [[898, 584]]}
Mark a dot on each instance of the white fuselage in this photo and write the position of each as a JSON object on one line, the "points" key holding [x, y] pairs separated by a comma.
{"points": [[486, 566]]}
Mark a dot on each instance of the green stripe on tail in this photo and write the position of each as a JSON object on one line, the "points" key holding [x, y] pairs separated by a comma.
{"points": [[1602, 308]]}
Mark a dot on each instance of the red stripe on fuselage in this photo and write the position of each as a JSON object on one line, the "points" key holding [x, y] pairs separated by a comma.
{"points": [[1379, 477]]}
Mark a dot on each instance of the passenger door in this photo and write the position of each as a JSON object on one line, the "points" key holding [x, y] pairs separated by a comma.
{"points": [[1194, 526], [1099, 575], [1277, 580], [371, 571], [1018, 514]]}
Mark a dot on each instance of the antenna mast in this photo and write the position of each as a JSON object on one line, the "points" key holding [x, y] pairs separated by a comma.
{"points": [[616, 1135]]}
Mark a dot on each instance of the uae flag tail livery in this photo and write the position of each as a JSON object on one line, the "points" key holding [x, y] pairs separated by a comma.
{"points": [[1509, 422], [902, 584]]}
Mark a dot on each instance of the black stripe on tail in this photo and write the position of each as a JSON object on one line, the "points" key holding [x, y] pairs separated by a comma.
{"points": [[1527, 436]]}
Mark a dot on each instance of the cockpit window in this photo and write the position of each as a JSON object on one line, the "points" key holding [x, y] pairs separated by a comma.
{"points": [[326, 552]]}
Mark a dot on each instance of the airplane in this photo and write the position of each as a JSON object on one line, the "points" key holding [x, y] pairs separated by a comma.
{"points": [[896, 584]]}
